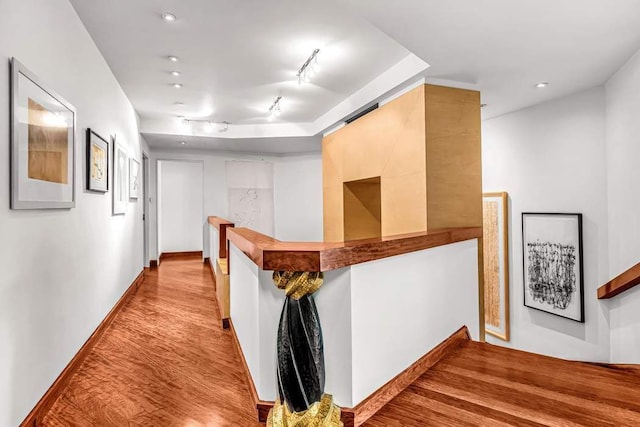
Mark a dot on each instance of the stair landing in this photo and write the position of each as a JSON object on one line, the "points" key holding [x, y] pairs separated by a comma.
{"points": [[481, 384]]}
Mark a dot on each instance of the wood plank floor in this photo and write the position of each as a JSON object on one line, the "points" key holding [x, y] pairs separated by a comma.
{"points": [[165, 361], [485, 385]]}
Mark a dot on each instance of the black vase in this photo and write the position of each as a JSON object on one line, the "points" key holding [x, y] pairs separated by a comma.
{"points": [[300, 354]]}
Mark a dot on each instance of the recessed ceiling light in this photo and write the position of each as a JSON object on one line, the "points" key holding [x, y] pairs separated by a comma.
{"points": [[175, 73], [170, 17], [177, 85], [183, 142], [173, 58], [542, 84]]}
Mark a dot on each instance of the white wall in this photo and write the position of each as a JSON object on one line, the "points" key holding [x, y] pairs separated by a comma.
{"points": [[623, 175], [404, 306], [180, 209], [550, 158], [297, 192], [298, 197], [61, 270]]}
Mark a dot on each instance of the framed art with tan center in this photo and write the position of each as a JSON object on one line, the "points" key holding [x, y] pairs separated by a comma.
{"points": [[42, 144], [97, 163], [495, 213]]}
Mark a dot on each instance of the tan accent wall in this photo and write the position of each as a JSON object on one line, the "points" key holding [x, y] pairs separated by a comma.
{"points": [[425, 148]]}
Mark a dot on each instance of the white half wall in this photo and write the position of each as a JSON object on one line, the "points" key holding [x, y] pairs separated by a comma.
{"points": [[377, 318], [623, 174], [404, 306], [550, 158], [62, 270], [180, 206]]}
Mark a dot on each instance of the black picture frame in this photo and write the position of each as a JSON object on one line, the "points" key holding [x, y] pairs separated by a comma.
{"points": [[94, 139], [547, 249]]}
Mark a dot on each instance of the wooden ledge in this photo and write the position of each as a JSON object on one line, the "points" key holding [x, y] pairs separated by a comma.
{"points": [[271, 254], [221, 225], [621, 283]]}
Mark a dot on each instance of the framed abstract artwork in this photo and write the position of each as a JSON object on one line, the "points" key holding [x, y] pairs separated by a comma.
{"points": [[134, 179], [553, 267], [42, 144], [120, 173], [495, 213], [97, 162]]}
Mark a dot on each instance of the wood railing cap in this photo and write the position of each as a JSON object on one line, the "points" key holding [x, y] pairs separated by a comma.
{"points": [[272, 254], [217, 222], [621, 283]]}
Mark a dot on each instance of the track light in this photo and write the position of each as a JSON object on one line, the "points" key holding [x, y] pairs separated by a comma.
{"points": [[275, 110], [207, 125], [308, 68]]}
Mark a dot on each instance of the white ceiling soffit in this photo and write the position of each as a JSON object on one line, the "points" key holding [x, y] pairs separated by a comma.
{"points": [[505, 47], [264, 146]]}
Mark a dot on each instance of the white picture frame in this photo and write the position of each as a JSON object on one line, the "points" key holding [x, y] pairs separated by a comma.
{"points": [[120, 175], [43, 144], [134, 179]]}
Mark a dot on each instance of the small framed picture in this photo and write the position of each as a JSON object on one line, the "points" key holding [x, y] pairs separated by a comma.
{"points": [[97, 162], [120, 173], [553, 266], [134, 179], [43, 128]]}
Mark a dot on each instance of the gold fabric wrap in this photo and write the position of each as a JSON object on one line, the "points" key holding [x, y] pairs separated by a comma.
{"points": [[297, 284], [320, 414]]}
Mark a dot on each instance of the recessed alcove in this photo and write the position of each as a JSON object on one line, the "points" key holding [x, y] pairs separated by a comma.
{"points": [[362, 209]]}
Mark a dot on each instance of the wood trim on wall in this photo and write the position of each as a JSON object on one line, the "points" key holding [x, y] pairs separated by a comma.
{"points": [[189, 254], [352, 417], [37, 414]]}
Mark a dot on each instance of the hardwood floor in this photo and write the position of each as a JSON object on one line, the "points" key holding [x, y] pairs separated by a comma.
{"points": [[485, 385], [165, 361]]}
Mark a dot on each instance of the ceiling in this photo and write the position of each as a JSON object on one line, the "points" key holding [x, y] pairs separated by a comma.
{"points": [[236, 57], [505, 47]]}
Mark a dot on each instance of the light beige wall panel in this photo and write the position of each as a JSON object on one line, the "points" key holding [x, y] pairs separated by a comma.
{"points": [[404, 199], [454, 162], [333, 214]]}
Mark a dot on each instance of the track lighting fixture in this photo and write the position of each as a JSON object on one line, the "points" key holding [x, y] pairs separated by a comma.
{"points": [[207, 125], [308, 69], [275, 108]]}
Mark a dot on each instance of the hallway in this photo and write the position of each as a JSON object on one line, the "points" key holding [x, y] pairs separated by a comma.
{"points": [[165, 361]]}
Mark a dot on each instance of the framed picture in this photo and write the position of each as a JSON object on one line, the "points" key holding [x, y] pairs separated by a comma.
{"points": [[120, 184], [552, 257], [134, 179], [97, 162], [42, 144], [495, 214]]}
